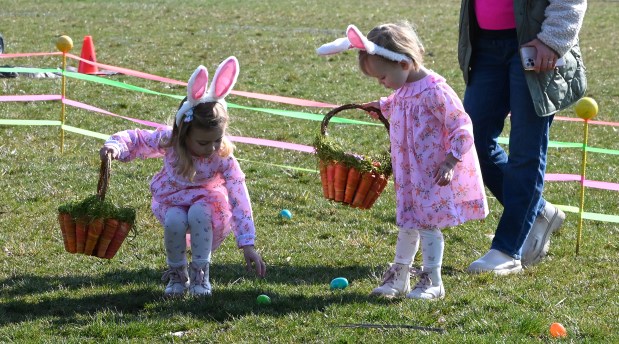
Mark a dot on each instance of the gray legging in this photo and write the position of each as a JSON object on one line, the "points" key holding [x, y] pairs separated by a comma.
{"points": [[197, 219]]}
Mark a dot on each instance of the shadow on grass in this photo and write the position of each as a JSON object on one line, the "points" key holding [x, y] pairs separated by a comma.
{"points": [[138, 292]]}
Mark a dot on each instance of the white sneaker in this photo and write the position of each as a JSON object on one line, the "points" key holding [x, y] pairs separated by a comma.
{"points": [[199, 276], [425, 290], [537, 243], [178, 281], [497, 262], [396, 282]]}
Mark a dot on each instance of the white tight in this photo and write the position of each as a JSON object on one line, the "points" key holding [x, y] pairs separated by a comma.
{"points": [[177, 220], [432, 247]]}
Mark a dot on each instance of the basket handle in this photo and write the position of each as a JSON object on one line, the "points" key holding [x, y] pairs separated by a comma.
{"points": [[104, 176], [327, 118]]}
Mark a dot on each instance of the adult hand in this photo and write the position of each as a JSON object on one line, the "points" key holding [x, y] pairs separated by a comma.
{"points": [[104, 151], [251, 256], [545, 58], [370, 105]]}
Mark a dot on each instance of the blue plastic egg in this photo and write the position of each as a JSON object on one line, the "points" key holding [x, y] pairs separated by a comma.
{"points": [[286, 214], [339, 283]]}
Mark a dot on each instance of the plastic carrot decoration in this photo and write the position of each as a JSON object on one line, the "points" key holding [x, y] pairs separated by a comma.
{"points": [[94, 231], [330, 180], [375, 190], [119, 237], [323, 179], [80, 235], [339, 181], [367, 179], [111, 225], [352, 181]]}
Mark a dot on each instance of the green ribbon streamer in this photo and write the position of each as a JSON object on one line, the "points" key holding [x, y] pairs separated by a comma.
{"points": [[85, 132], [589, 216], [571, 209], [287, 113]]}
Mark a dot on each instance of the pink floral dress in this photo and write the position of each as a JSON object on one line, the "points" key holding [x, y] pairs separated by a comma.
{"points": [[219, 183], [427, 122]]}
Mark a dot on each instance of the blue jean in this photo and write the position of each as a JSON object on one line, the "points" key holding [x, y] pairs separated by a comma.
{"points": [[496, 87]]}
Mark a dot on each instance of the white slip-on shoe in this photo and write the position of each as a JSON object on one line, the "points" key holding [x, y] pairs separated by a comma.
{"points": [[537, 243], [497, 262], [424, 289], [178, 281], [396, 282]]}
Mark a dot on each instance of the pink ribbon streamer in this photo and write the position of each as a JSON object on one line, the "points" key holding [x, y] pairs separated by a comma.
{"points": [[277, 99], [270, 143], [8, 56], [560, 177], [285, 100], [570, 119], [129, 71], [30, 98], [551, 177], [96, 109]]}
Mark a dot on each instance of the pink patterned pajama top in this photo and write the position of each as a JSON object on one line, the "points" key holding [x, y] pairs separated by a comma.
{"points": [[218, 183], [427, 122]]}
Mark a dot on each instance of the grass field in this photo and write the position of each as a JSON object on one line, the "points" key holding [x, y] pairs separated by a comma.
{"points": [[50, 296]]}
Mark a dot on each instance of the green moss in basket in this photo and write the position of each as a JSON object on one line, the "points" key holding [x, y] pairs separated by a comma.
{"points": [[92, 207], [329, 150]]}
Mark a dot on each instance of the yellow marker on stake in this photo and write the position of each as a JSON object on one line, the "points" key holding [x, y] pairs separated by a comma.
{"points": [[64, 44], [586, 108]]}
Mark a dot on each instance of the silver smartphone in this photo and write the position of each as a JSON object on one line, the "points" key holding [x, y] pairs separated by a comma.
{"points": [[528, 58]]}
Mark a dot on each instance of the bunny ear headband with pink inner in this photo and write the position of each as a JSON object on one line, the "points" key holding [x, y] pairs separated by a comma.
{"points": [[355, 39], [223, 81]]}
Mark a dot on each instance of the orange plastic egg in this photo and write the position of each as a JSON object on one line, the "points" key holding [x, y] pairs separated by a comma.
{"points": [[557, 330]]}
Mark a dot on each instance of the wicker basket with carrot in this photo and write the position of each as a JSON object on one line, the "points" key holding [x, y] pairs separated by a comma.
{"points": [[94, 226], [352, 179]]}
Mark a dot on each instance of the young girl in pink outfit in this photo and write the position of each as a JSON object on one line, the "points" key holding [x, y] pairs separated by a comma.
{"points": [[437, 176], [201, 188]]}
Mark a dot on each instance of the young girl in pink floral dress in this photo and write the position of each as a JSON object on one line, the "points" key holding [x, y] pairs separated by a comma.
{"points": [[201, 188], [438, 181]]}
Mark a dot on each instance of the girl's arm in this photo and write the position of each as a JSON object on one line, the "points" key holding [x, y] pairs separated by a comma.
{"points": [[385, 105], [447, 107], [238, 197], [138, 143]]}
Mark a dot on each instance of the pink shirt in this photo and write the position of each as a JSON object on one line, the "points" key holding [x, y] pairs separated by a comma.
{"points": [[495, 14], [428, 121], [219, 183]]}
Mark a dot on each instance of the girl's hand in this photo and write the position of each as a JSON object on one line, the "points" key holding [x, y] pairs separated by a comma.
{"points": [[372, 105], [104, 151], [445, 171], [252, 256]]}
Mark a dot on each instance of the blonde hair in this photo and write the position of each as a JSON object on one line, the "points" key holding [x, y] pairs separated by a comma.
{"points": [[209, 115], [400, 38]]}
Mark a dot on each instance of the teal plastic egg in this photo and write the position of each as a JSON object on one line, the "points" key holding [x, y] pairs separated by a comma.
{"points": [[339, 283], [285, 213]]}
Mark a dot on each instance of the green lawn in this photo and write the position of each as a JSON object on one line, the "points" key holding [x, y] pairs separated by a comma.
{"points": [[48, 295]]}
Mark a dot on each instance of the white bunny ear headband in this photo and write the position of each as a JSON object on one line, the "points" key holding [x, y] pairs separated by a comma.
{"points": [[223, 81], [355, 39]]}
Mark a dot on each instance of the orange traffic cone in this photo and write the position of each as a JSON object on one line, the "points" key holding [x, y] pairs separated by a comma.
{"points": [[88, 53]]}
